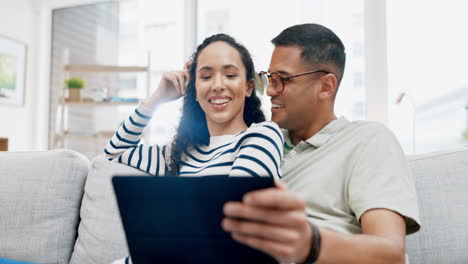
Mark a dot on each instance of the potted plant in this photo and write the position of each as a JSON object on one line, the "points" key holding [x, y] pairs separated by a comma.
{"points": [[74, 86]]}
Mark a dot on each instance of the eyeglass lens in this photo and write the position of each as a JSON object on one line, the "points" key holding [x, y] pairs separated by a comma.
{"points": [[272, 80]]}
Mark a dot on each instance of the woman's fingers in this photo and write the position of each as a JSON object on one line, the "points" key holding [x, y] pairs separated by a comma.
{"points": [[188, 64], [181, 79], [186, 78], [173, 85], [174, 88]]}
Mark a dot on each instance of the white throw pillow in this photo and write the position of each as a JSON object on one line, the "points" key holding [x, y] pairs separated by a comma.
{"points": [[101, 237]]}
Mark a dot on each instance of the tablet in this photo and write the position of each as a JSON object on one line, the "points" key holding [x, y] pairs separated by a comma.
{"points": [[178, 219]]}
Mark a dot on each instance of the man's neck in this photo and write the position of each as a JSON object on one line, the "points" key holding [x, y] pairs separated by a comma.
{"points": [[308, 131]]}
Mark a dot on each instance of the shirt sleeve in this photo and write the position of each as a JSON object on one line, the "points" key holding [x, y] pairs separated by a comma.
{"points": [[260, 152], [125, 147], [382, 178]]}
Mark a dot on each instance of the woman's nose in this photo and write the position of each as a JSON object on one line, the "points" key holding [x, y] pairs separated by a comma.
{"points": [[218, 82]]}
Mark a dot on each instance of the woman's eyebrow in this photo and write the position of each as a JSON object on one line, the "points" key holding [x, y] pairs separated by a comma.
{"points": [[230, 66], [208, 68], [227, 66]]}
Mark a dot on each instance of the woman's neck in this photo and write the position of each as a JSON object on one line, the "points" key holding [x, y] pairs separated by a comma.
{"points": [[225, 129]]}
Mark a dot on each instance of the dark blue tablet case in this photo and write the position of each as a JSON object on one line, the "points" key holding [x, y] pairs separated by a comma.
{"points": [[178, 219]]}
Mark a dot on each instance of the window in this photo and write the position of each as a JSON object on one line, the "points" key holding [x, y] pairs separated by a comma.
{"points": [[154, 29], [255, 23], [123, 33], [427, 62]]}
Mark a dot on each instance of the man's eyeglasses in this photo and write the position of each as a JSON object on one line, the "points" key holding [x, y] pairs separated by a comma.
{"points": [[276, 81]]}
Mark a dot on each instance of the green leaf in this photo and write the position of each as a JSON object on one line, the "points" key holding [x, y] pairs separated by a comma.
{"points": [[75, 83]]}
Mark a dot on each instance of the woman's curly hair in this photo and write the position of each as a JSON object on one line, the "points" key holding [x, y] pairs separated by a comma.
{"points": [[193, 129]]}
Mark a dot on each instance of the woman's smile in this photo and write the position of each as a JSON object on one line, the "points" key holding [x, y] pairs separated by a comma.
{"points": [[219, 103]]}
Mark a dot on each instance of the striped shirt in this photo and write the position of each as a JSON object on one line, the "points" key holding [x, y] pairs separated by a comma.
{"points": [[256, 151]]}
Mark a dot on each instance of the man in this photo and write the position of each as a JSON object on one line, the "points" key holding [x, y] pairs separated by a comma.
{"points": [[350, 196]]}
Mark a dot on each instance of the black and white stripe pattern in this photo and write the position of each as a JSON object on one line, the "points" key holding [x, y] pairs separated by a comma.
{"points": [[255, 152]]}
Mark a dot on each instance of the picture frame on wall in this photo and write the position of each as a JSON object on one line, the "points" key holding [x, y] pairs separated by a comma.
{"points": [[12, 71]]}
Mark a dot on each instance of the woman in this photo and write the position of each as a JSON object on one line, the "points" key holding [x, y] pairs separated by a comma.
{"points": [[222, 130]]}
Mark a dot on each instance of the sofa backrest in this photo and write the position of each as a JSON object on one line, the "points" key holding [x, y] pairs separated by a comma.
{"points": [[442, 186], [41, 194], [40, 197]]}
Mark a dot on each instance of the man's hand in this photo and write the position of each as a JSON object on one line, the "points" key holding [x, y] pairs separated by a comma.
{"points": [[271, 220], [274, 221]]}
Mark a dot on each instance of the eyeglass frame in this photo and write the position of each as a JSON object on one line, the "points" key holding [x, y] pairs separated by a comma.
{"points": [[269, 75]]}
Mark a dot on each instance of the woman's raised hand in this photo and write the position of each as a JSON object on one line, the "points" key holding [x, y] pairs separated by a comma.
{"points": [[171, 86]]}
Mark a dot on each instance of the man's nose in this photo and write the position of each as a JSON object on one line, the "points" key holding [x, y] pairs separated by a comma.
{"points": [[270, 91]]}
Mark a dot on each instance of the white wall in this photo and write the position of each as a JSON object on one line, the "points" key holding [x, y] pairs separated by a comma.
{"points": [[29, 21], [16, 122]]}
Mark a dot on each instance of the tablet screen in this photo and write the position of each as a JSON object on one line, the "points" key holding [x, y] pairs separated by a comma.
{"points": [[178, 219]]}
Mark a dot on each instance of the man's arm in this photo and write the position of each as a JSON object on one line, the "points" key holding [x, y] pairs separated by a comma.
{"points": [[382, 241], [274, 221]]}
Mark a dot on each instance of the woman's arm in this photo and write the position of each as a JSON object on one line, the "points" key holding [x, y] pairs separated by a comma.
{"points": [[124, 147], [260, 152]]}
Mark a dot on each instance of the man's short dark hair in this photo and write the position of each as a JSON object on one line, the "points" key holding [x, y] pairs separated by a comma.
{"points": [[320, 46]]}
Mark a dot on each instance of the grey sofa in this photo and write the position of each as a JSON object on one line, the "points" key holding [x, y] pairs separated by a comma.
{"points": [[57, 207]]}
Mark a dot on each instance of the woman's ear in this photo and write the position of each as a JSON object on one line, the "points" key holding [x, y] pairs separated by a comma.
{"points": [[250, 87]]}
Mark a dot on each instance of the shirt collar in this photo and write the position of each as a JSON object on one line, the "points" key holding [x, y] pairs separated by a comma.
{"points": [[324, 135]]}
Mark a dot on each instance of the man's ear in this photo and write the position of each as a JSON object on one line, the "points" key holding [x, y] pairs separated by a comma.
{"points": [[329, 86], [250, 87]]}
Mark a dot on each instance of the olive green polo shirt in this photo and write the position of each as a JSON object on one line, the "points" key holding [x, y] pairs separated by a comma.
{"points": [[348, 168]]}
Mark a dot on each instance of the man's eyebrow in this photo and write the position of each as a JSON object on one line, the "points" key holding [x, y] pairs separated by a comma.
{"points": [[281, 72]]}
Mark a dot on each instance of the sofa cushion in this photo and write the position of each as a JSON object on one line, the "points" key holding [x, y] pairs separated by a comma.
{"points": [[40, 197], [442, 185], [101, 238]]}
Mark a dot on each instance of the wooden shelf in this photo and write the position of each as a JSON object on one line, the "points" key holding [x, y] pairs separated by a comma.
{"points": [[103, 68], [108, 103], [101, 134], [67, 69]]}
